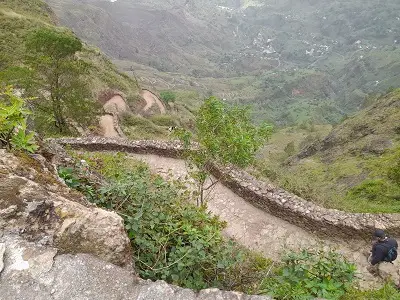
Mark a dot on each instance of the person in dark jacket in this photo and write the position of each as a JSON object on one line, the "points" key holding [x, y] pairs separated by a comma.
{"points": [[380, 250]]}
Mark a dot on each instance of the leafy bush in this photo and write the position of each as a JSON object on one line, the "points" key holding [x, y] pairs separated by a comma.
{"points": [[225, 135], [309, 274], [172, 239], [73, 178], [168, 96], [13, 116], [69, 177]]}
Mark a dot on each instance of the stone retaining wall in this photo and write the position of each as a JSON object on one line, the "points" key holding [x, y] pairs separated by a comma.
{"points": [[273, 200]]}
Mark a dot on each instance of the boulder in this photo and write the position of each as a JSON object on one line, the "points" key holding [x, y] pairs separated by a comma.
{"points": [[34, 204], [33, 271]]}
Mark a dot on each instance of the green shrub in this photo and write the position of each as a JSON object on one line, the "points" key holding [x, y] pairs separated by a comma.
{"points": [[13, 133], [172, 239], [74, 179], [168, 96], [309, 274]]}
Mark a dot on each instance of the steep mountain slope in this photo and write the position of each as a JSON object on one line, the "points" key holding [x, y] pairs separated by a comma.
{"points": [[370, 132], [308, 60], [18, 18], [355, 167]]}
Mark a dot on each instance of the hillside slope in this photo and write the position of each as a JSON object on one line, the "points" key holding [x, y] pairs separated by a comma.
{"points": [[18, 18], [355, 167]]}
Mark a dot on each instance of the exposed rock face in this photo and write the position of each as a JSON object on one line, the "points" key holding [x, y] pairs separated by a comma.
{"points": [[35, 272], [34, 204], [275, 201]]}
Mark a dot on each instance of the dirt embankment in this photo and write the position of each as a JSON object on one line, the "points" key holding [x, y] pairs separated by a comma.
{"points": [[152, 100], [109, 122]]}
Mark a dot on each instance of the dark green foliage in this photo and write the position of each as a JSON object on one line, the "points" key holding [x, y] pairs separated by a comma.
{"points": [[13, 116], [225, 135], [75, 178], [55, 45], [52, 56], [172, 239], [168, 96], [309, 274], [69, 177]]}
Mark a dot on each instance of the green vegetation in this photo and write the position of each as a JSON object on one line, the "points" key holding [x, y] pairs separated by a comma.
{"points": [[225, 135], [388, 291], [51, 64], [172, 239], [181, 243], [52, 57], [138, 127], [13, 127], [354, 168], [168, 96], [163, 120], [294, 61], [311, 274]]}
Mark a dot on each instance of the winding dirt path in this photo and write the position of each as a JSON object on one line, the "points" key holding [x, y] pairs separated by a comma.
{"points": [[113, 107], [107, 126], [263, 232], [252, 227], [151, 100], [117, 104]]}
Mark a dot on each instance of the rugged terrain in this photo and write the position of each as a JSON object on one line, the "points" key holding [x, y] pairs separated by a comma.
{"points": [[294, 61], [348, 168], [54, 244]]}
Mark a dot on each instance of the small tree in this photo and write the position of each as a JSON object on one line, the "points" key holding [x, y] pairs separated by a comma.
{"points": [[59, 77], [13, 115], [225, 135]]}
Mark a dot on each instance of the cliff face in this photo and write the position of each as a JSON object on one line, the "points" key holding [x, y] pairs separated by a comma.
{"points": [[56, 245]]}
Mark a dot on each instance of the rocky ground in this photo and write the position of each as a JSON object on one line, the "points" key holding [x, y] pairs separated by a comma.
{"points": [[54, 245]]}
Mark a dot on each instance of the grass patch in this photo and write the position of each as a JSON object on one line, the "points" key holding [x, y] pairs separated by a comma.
{"points": [[344, 177], [137, 127], [163, 120]]}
